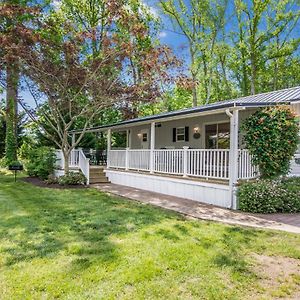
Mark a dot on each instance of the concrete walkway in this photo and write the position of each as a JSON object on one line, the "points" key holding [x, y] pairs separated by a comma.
{"points": [[289, 223]]}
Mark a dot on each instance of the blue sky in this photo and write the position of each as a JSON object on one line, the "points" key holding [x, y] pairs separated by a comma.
{"points": [[167, 35]]}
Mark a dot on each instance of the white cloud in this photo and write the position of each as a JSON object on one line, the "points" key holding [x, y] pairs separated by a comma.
{"points": [[162, 34]]}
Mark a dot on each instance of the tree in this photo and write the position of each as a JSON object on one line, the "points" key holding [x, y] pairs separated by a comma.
{"points": [[200, 22], [264, 35], [75, 84], [15, 37]]}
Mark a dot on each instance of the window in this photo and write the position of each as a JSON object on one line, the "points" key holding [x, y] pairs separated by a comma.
{"points": [[180, 134], [217, 136], [145, 137]]}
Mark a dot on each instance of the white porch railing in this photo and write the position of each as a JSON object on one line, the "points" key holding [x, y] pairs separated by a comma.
{"points": [[246, 169], [205, 163], [208, 163], [169, 161], [138, 160], [116, 159], [77, 159]]}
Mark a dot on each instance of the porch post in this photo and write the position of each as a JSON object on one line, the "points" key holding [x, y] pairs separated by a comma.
{"points": [[108, 147], [233, 157], [127, 138], [152, 147], [127, 159], [185, 160]]}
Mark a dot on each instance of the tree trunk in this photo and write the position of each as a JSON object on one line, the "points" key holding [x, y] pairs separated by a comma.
{"points": [[12, 80], [66, 162], [253, 74]]}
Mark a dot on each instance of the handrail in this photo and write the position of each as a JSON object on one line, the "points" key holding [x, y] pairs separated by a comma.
{"points": [[78, 159], [84, 165]]}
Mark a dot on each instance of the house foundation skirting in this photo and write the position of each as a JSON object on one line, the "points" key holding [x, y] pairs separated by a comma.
{"points": [[206, 192]]}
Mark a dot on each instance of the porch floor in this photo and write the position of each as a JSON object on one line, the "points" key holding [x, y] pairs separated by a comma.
{"points": [[203, 211]]}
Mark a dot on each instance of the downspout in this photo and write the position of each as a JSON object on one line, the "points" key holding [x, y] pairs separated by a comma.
{"points": [[233, 156], [228, 113]]}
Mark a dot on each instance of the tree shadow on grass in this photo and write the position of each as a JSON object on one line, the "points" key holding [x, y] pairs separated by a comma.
{"points": [[234, 241], [39, 223]]}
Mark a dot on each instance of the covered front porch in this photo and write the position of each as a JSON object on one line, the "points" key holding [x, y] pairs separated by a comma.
{"points": [[199, 156]]}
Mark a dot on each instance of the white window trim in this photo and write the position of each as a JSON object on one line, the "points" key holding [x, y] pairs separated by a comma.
{"points": [[177, 134]]}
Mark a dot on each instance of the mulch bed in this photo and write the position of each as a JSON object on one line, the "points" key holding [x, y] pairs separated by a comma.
{"points": [[40, 183]]}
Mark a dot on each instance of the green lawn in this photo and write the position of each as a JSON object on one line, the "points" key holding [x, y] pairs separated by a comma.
{"points": [[82, 244]]}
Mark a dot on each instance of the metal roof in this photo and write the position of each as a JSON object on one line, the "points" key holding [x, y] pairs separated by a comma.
{"points": [[285, 96]]}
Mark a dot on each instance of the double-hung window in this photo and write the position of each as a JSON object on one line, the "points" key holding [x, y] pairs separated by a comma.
{"points": [[180, 134]]}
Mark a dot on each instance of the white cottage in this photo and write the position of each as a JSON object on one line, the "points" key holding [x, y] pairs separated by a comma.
{"points": [[195, 153]]}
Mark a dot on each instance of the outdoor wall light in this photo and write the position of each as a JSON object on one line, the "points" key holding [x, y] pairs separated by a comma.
{"points": [[196, 129], [139, 135]]}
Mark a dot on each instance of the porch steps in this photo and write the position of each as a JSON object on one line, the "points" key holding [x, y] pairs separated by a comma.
{"points": [[97, 175]]}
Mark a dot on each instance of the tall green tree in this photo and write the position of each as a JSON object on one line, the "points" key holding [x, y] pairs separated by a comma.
{"points": [[264, 36], [15, 37], [200, 22]]}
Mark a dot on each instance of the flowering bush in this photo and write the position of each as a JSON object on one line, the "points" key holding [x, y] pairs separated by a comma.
{"points": [[270, 196], [271, 136]]}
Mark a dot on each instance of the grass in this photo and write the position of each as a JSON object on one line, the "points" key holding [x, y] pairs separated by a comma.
{"points": [[83, 244]]}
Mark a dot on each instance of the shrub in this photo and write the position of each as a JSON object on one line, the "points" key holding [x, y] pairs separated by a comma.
{"points": [[270, 196], [271, 135], [41, 162], [72, 178], [51, 179]]}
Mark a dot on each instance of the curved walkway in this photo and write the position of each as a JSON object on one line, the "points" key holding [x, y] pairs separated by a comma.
{"points": [[284, 222]]}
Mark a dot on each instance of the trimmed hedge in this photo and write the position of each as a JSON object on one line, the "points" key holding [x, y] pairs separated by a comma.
{"points": [[270, 196]]}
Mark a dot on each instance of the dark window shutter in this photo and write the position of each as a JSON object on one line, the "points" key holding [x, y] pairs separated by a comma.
{"points": [[174, 134], [186, 134]]}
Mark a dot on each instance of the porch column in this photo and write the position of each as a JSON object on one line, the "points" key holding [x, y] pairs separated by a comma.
{"points": [[152, 147], [233, 156], [127, 138], [108, 146]]}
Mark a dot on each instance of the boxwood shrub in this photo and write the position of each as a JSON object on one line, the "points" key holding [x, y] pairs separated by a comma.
{"points": [[270, 196]]}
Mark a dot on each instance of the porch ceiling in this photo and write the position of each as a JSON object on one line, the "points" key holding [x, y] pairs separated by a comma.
{"points": [[286, 96]]}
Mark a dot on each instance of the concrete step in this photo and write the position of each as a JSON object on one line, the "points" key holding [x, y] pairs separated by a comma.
{"points": [[98, 177], [99, 181], [96, 171]]}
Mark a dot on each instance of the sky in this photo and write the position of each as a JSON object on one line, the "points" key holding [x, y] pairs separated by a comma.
{"points": [[167, 35]]}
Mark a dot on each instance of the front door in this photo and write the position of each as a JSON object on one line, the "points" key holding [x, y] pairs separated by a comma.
{"points": [[145, 139]]}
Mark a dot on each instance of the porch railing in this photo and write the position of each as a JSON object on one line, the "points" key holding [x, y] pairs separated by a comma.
{"points": [[246, 169], [77, 159], [205, 163]]}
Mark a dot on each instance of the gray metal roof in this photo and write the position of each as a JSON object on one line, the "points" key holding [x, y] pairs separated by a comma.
{"points": [[285, 96]]}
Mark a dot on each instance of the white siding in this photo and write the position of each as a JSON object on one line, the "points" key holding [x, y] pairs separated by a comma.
{"points": [[210, 193]]}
